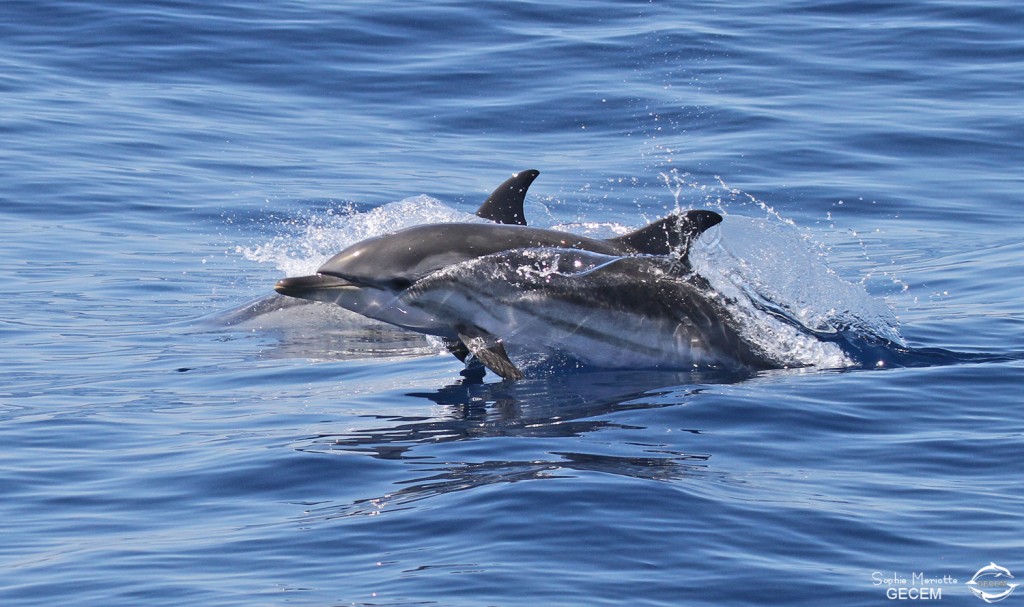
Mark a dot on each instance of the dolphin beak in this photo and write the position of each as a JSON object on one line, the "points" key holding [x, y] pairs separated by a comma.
{"points": [[316, 286]]}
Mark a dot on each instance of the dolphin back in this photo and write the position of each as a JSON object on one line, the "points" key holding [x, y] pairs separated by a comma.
{"points": [[673, 233], [395, 261]]}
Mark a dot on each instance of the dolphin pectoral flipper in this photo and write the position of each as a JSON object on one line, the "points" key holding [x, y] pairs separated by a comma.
{"points": [[490, 351], [505, 204]]}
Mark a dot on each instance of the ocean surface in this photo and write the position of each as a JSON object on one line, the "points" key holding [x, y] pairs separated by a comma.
{"points": [[172, 435]]}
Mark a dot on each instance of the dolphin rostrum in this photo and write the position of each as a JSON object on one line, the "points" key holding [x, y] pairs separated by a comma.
{"points": [[482, 286]]}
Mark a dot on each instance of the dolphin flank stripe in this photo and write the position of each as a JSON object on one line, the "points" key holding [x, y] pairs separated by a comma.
{"points": [[556, 322], [527, 309]]}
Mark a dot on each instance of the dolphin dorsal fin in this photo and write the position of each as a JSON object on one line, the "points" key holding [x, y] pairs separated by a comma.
{"points": [[505, 204], [671, 233]]}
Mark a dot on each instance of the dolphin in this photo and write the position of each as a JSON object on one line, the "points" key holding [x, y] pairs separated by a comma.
{"points": [[979, 587], [481, 286]]}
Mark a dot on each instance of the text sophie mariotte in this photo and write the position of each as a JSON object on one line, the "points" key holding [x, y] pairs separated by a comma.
{"points": [[918, 587]]}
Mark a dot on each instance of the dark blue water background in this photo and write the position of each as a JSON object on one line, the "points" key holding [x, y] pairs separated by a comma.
{"points": [[162, 163]]}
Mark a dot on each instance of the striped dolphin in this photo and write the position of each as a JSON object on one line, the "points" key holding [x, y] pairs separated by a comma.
{"points": [[624, 301]]}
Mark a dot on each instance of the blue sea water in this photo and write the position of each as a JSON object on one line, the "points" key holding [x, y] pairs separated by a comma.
{"points": [[165, 162]]}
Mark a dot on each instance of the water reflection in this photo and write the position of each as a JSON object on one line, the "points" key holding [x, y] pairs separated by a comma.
{"points": [[453, 477], [569, 406], [314, 330], [553, 414]]}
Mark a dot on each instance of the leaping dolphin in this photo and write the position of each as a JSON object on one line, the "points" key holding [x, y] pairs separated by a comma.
{"points": [[482, 286]]}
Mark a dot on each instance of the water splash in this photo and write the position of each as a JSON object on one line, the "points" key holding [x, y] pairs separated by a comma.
{"points": [[780, 284], [311, 239], [790, 302]]}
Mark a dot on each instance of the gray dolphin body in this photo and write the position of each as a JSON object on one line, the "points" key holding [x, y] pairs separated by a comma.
{"points": [[626, 301]]}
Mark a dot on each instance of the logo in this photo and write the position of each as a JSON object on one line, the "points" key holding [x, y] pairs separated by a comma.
{"points": [[988, 583]]}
